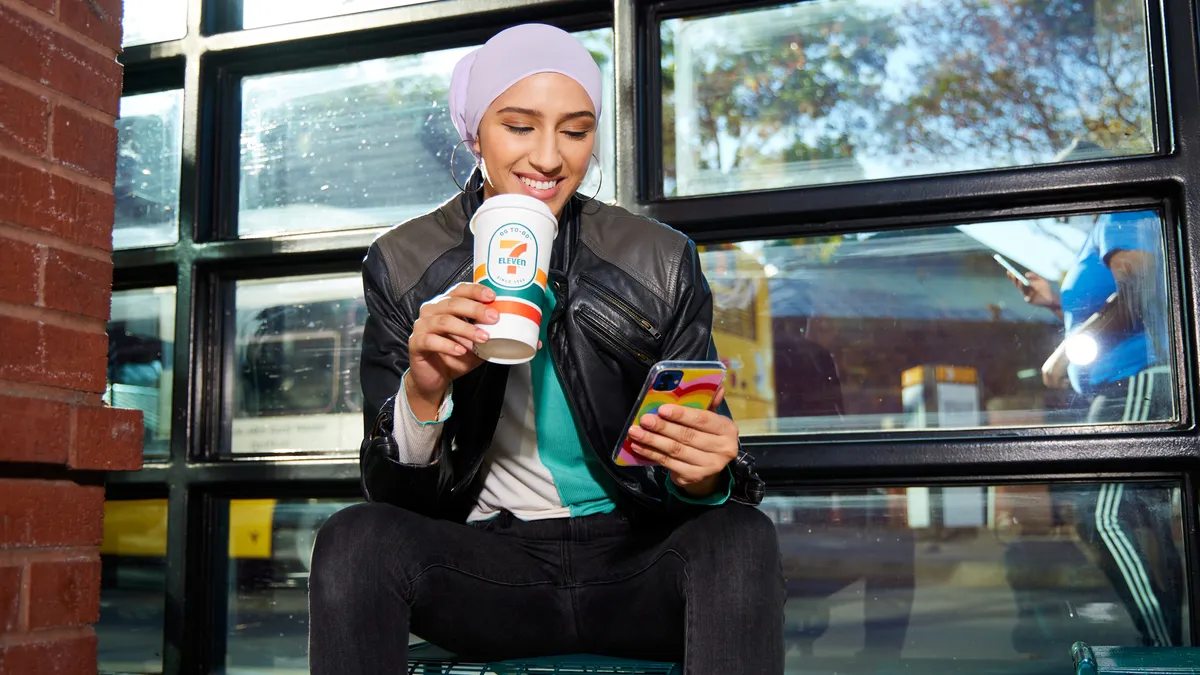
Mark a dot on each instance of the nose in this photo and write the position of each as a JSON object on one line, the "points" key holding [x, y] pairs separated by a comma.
{"points": [[545, 157]]}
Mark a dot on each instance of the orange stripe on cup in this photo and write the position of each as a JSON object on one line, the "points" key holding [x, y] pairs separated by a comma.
{"points": [[540, 278], [480, 273], [518, 308]]}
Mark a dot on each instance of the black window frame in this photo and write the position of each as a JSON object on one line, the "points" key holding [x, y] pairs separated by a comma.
{"points": [[208, 64]]}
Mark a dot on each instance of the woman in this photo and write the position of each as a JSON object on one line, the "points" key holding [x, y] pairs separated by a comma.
{"points": [[497, 525], [1116, 354]]}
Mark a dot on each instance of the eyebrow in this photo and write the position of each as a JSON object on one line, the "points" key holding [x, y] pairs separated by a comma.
{"points": [[537, 113]]}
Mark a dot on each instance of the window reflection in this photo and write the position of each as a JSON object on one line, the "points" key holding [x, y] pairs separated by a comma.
{"points": [[366, 144], [133, 586], [925, 329], [836, 91], [149, 141], [296, 368], [978, 575], [149, 21], [140, 342], [258, 13], [270, 556]]}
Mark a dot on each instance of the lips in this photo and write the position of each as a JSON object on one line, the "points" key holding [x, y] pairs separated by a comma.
{"points": [[544, 190]]}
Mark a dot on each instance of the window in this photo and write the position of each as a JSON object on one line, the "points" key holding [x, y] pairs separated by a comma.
{"points": [[140, 343], [1002, 578], [133, 558], [270, 556], [258, 13], [366, 144], [837, 91], [149, 21], [918, 329], [149, 151], [296, 364]]}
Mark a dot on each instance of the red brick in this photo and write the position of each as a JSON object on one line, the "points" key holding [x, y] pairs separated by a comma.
{"points": [[25, 430], [19, 273], [24, 120], [59, 62], [40, 353], [78, 284], [50, 513], [46, 6], [75, 359], [76, 656], [10, 598], [97, 19], [37, 200], [107, 439], [83, 143], [64, 593]]}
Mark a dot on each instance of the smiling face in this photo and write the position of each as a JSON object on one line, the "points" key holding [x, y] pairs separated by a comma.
{"points": [[537, 139]]}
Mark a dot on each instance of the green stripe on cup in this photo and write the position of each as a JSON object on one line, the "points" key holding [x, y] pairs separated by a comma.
{"points": [[531, 293]]}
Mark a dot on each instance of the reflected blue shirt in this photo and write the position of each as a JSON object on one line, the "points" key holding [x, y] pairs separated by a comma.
{"points": [[1090, 282]]}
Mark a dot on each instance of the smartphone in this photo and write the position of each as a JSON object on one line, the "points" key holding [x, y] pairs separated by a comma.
{"points": [[691, 384], [1009, 266]]}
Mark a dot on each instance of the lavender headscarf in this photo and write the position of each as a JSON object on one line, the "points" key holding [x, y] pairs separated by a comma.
{"points": [[509, 57]]}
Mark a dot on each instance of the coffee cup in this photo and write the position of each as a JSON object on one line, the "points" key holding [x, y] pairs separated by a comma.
{"points": [[514, 236]]}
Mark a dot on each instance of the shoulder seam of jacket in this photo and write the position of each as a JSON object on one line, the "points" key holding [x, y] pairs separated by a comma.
{"points": [[667, 295]]}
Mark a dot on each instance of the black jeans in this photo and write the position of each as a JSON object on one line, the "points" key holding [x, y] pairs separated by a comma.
{"points": [[708, 592]]}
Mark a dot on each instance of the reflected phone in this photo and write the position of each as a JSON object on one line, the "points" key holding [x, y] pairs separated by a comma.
{"points": [[691, 384], [1009, 266]]}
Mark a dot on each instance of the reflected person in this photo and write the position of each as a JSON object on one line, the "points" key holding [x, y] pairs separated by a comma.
{"points": [[1112, 302], [496, 524]]}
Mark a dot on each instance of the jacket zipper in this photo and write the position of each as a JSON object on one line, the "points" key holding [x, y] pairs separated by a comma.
{"points": [[624, 307], [612, 337]]}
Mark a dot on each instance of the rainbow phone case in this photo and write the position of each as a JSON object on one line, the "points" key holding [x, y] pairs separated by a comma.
{"points": [[696, 389]]}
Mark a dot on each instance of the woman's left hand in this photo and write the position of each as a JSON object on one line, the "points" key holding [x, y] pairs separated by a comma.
{"points": [[694, 445]]}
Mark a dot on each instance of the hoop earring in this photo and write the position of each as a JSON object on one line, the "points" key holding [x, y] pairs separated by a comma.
{"points": [[454, 177], [601, 186]]}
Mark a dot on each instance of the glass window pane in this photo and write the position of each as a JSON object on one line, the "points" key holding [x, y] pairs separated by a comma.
{"points": [[141, 339], [836, 91], [258, 13], [149, 150], [149, 21], [922, 328], [296, 364], [133, 586], [990, 578], [270, 555], [365, 144]]}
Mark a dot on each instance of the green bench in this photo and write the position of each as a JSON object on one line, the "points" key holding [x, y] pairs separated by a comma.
{"points": [[1135, 660], [426, 659]]}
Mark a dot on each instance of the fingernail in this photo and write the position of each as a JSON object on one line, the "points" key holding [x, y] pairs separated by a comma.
{"points": [[635, 432], [489, 295], [481, 336], [460, 350], [666, 412], [648, 421], [492, 315]]}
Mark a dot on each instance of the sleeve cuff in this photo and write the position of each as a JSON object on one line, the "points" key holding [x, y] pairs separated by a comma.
{"points": [[717, 498], [444, 410]]}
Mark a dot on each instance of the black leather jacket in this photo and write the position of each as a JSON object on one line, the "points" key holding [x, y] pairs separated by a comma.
{"points": [[630, 292]]}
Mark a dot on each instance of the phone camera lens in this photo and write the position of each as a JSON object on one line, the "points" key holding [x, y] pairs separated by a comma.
{"points": [[668, 380]]}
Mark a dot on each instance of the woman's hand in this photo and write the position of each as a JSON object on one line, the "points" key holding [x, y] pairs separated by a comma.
{"points": [[440, 349], [1038, 293], [694, 445]]}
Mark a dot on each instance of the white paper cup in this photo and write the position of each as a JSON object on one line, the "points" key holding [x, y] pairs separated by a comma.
{"points": [[514, 235]]}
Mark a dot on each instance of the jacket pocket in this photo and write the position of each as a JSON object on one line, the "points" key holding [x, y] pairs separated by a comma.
{"points": [[616, 302], [610, 337]]}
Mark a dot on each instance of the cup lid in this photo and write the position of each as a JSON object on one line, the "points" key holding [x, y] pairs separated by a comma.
{"points": [[515, 201]]}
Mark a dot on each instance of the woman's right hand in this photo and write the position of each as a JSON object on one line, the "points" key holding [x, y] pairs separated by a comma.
{"points": [[440, 349], [1038, 293]]}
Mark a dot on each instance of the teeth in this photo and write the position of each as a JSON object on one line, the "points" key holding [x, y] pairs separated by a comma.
{"points": [[538, 184]]}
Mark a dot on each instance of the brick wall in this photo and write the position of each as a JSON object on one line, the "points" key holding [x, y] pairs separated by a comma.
{"points": [[60, 87]]}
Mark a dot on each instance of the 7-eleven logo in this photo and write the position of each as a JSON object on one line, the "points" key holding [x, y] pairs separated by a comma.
{"points": [[515, 250]]}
